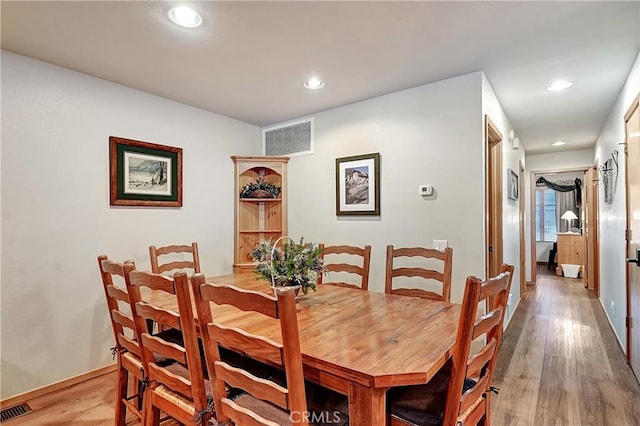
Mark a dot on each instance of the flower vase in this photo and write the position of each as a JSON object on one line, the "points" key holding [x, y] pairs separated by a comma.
{"points": [[282, 288]]}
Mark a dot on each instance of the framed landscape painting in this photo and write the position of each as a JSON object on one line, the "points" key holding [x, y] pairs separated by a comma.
{"points": [[144, 174], [358, 185]]}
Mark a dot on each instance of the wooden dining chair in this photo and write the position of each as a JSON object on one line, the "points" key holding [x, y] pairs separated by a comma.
{"points": [[126, 350], [460, 393], [263, 401], [178, 389], [361, 269], [173, 264], [443, 276]]}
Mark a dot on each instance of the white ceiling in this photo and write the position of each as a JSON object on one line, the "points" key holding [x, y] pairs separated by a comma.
{"points": [[250, 59]]}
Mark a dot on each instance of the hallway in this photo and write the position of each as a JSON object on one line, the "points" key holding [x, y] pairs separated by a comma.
{"points": [[560, 363]]}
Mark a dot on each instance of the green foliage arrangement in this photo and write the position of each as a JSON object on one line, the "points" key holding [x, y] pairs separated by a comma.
{"points": [[289, 264], [260, 189]]}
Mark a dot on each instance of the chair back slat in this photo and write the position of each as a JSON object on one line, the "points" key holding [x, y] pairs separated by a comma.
{"points": [[161, 316], [166, 349], [477, 362], [493, 287], [476, 368], [344, 267], [130, 345], [178, 264], [443, 277], [419, 252], [361, 269], [214, 335], [152, 281], [243, 416], [245, 300], [428, 274], [172, 381], [263, 389], [174, 249], [184, 395], [117, 293], [159, 268], [257, 347], [416, 292], [487, 322], [471, 396], [123, 319]]}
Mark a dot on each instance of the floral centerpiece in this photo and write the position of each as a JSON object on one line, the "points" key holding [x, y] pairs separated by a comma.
{"points": [[260, 189], [290, 264]]}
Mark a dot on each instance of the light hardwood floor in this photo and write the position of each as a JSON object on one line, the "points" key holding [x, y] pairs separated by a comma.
{"points": [[559, 364]]}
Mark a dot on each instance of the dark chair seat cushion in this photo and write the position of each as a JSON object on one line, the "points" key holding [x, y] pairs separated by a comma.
{"points": [[423, 405], [282, 417]]}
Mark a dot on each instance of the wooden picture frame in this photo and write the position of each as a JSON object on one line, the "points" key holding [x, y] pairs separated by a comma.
{"points": [[358, 185], [144, 173], [514, 186]]}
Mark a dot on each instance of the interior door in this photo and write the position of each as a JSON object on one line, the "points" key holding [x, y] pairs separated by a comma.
{"points": [[633, 236]]}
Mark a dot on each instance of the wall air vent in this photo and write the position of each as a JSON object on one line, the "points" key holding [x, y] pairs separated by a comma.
{"points": [[288, 139]]}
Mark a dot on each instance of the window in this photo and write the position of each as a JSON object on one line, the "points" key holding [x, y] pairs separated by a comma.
{"points": [[545, 215]]}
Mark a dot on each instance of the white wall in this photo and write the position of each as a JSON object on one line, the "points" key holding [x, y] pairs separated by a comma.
{"points": [[564, 160], [613, 216], [430, 134], [56, 217], [510, 208]]}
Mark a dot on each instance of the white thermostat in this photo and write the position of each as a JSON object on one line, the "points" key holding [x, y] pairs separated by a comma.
{"points": [[425, 190]]}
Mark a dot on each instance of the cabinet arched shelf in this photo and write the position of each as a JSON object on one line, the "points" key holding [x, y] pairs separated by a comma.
{"points": [[258, 218]]}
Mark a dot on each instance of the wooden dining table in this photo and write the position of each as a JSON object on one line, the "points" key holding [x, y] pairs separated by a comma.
{"points": [[356, 342]]}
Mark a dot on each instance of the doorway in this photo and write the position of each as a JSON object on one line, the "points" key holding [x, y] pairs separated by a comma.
{"points": [[521, 207], [493, 155], [547, 211]]}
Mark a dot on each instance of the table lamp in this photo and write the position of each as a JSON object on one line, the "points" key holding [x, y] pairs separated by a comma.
{"points": [[569, 215]]}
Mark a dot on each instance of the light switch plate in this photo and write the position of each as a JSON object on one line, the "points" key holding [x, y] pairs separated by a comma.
{"points": [[425, 190], [440, 245]]}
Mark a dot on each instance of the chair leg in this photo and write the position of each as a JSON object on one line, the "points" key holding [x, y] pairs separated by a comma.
{"points": [[150, 413], [121, 394]]}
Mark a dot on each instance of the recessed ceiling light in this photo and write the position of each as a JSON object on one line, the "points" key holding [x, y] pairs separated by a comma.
{"points": [[314, 84], [559, 85], [185, 17], [558, 143]]}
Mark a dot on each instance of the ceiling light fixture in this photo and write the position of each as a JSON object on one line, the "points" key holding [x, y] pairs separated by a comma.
{"points": [[558, 143], [185, 17], [314, 84], [559, 85]]}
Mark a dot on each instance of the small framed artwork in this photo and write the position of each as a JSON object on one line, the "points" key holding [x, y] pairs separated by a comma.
{"points": [[358, 185], [512, 192], [144, 174]]}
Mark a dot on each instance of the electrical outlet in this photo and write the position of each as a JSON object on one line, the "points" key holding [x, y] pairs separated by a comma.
{"points": [[440, 245], [613, 309], [509, 299]]}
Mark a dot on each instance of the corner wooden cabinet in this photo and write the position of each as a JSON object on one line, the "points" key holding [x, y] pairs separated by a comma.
{"points": [[570, 250], [258, 218]]}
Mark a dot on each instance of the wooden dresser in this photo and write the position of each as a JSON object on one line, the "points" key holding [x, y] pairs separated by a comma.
{"points": [[571, 250]]}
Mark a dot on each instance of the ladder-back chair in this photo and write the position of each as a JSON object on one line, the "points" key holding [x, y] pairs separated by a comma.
{"points": [[361, 269], [179, 389], [460, 394], [443, 276]]}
